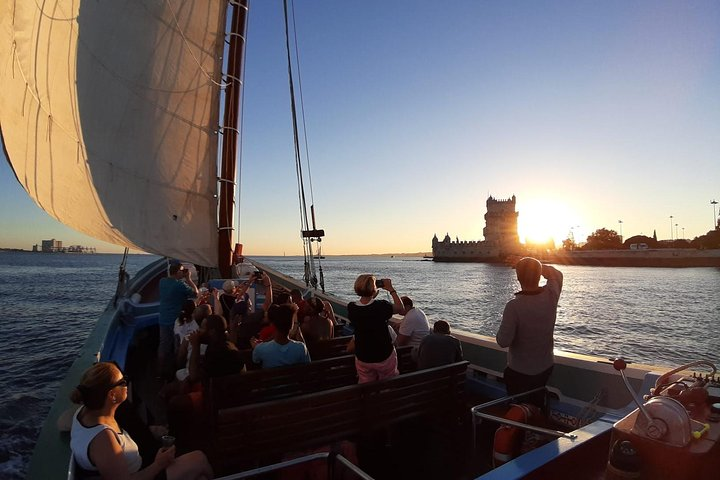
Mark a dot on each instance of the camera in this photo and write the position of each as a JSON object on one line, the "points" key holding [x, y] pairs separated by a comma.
{"points": [[379, 283]]}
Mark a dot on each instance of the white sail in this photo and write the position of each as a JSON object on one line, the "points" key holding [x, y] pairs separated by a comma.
{"points": [[108, 114]]}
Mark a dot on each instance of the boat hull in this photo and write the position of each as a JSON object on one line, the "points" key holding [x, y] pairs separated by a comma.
{"points": [[577, 380]]}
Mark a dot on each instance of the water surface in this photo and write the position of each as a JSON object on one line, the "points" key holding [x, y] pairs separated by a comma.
{"points": [[51, 302]]}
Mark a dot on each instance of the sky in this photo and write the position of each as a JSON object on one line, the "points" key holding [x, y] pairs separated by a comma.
{"points": [[590, 113]]}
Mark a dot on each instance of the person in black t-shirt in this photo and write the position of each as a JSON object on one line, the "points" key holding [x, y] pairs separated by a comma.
{"points": [[375, 356]]}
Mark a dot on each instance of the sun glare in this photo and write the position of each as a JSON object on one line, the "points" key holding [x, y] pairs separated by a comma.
{"points": [[542, 220]]}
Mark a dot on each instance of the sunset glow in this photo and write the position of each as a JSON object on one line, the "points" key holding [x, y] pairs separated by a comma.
{"points": [[542, 220]]}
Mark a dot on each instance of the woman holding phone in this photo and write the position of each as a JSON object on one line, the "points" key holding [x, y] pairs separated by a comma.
{"points": [[375, 356]]}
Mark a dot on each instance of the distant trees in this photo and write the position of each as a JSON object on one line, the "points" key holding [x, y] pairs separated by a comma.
{"points": [[569, 244], [603, 239], [709, 240], [649, 241]]}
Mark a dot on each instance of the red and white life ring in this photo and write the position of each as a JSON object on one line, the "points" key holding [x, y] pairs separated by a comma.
{"points": [[509, 439]]}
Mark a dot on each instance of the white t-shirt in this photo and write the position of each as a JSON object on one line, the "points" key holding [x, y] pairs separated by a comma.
{"points": [[393, 335], [415, 325], [181, 330]]}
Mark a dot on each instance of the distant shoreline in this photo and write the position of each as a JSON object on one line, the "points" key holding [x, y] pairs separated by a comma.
{"points": [[22, 250], [417, 254]]}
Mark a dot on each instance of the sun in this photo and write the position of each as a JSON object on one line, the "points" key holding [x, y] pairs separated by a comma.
{"points": [[543, 220]]}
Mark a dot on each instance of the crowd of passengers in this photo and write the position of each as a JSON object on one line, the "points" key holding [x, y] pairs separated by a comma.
{"points": [[210, 335], [213, 330]]}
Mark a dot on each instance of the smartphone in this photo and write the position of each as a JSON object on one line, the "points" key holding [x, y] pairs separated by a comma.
{"points": [[379, 283]]}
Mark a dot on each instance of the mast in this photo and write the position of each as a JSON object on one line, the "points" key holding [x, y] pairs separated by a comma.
{"points": [[238, 10]]}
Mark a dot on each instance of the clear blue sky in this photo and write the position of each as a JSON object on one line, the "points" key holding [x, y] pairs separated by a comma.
{"points": [[589, 112]]}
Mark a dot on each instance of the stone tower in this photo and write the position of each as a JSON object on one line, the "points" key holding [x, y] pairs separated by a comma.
{"points": [[501, 225]]}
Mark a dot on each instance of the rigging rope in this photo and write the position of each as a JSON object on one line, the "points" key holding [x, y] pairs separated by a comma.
{"points": [[310, 276], [307, 151], [302, 106]]}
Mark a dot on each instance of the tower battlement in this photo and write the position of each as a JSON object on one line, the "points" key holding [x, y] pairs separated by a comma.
{"points": [[500, 232]]}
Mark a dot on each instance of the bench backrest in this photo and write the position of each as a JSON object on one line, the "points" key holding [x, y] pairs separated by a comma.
{"points": [[406, 363], [273, 383], [328, 348], [252, 433]]}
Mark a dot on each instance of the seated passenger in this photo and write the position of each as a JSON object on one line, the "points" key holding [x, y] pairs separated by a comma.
{"points": [[101, 447], [252, 322], [281, 351], [201, 313], [227, 298], [267, 328], [319, 323], [236, 319], [221, 357], [413, 328], [439, 348], [297, 298], [185, 323]]}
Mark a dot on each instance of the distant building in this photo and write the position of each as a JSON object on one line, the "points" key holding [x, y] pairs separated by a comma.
{"points": [[52, 246], [500, 232], [56, 246]]}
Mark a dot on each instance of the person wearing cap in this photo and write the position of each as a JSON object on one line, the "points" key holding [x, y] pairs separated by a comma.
{"points": [[527, 329], [174, 290]]}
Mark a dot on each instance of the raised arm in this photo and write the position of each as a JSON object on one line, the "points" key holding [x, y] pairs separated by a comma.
{"points": [[554, 279], [551, 273], [267, 283], [398, 306], [188, 280]]}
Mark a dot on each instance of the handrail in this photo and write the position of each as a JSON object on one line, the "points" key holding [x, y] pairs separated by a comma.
{"points": [[330, 456], [476, 413]]}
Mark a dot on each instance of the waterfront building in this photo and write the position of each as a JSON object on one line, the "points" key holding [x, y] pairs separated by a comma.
{"points": [[500, 232], [52, 246], [56, 246]]}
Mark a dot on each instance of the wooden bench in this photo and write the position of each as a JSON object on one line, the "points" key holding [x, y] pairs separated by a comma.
{"points": [[328, 348], [256, 434], [406, 363], [273, 383], [270, 384], [337, 346]]}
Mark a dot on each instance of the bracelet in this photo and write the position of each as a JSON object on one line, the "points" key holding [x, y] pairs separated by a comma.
{"points": [[391, 292]]}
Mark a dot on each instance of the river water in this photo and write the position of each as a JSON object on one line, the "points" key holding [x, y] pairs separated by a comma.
{"points": [[51, 301]]}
